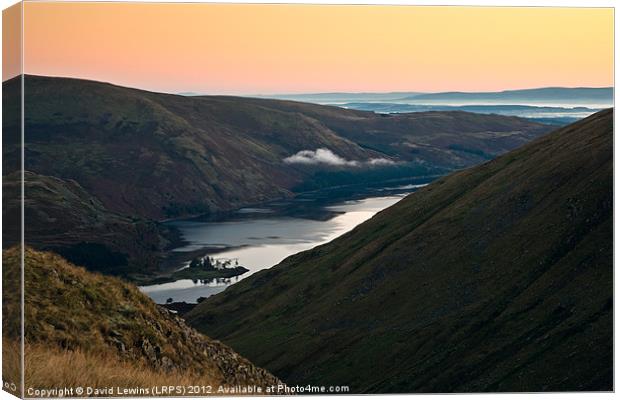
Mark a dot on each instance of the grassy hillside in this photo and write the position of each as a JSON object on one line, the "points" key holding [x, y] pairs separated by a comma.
{"points": [[75, 319], [447, 139], [158, 155], [48, 367], [104, 162], [62, 216], [495, 278], [118, 159]]}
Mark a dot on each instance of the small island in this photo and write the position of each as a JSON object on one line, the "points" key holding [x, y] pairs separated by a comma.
{"points": [[202, 268]]}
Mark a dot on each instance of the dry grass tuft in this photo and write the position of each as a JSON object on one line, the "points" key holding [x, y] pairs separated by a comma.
{"points": [[48, 368]]}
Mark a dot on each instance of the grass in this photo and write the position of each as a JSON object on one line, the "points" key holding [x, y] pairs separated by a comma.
{"points": [[11, 363], [50, 367], [75, 318]]}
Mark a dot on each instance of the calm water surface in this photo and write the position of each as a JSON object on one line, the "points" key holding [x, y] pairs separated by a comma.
{"points": [[260, 238]]}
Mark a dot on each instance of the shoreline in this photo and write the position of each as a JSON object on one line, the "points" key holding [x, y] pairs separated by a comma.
{"points": [[313, 205], [171, 260], [221, 215]]}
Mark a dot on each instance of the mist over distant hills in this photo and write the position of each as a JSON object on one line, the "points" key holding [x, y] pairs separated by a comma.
{"points": [[546, 114], [551, 105], [560, 95], [343, 96]]}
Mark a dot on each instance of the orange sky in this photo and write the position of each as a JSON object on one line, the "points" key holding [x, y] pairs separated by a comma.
{"points": [[228, 48]]}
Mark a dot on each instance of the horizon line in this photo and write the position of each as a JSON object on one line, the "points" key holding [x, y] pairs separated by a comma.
{"points": [[189, 93]]}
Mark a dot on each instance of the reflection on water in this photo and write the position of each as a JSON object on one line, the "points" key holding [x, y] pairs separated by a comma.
{"points": [[187, 290], [261, 238]]}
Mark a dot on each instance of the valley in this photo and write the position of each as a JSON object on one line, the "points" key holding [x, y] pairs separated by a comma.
{"points": [[259, 238], [425, 239], [489, 279], [126, 160]]}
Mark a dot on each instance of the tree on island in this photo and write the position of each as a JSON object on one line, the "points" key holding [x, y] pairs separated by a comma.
{"points": [[202, 262], [210, 264]]}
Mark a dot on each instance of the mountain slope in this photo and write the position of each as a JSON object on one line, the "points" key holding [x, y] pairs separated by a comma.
{"points": [[449, 140], [114, 160], [159, 156], [495, 278], [63, 217], [76, 316]]}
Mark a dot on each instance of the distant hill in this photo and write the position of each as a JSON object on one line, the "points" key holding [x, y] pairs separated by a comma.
{"points": [[558, 95], [340, 97], [496, 278], [83, 329], [546, 95], [558, 116], [124, 158]]}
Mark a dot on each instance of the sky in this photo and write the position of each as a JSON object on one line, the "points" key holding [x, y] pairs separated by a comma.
{"points": [[266, 49]]}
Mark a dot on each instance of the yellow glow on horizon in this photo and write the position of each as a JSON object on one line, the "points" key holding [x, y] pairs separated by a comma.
{"points": [[253, 48]]}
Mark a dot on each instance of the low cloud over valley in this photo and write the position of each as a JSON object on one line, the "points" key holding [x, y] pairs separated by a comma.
{"points": [[323, 156]]}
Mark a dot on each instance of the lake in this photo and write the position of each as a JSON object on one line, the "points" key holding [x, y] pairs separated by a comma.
{"points": [[261, 237]]}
